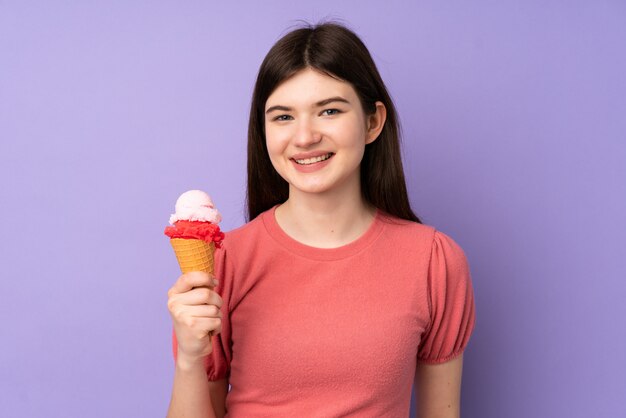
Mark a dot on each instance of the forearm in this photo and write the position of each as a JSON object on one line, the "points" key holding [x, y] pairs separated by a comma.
{"points": [[190, 394], [449, 413], [438, 389]]}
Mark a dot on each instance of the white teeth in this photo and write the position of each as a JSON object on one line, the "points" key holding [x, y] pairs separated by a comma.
{"points": [[314, 160]]}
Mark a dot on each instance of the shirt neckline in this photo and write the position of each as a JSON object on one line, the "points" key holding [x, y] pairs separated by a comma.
{"points": [[316, 253]]}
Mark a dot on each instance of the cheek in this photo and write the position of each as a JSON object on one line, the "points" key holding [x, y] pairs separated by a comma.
{"points": [[275, 148], [272, 141], [352, 130]]}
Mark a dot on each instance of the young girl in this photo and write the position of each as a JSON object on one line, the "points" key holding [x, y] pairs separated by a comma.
{"points": [[334, 299]]}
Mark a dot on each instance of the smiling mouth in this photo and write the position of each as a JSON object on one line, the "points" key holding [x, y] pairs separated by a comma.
{"points": [[308, 161]]}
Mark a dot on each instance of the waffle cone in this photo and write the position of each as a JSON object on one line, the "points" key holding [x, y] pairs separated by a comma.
{"points": [[193, 254]]}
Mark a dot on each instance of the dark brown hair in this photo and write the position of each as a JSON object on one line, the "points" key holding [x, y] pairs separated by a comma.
{"points": [[336, 51]]}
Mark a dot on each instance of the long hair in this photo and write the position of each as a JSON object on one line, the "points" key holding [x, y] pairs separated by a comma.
{"points": [[336, 51]]}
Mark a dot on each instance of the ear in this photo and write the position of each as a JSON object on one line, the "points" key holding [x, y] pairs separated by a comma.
{"points": [[376, 122]]}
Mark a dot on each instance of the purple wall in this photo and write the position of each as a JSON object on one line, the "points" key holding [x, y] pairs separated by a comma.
{"points": [[514, 118]]}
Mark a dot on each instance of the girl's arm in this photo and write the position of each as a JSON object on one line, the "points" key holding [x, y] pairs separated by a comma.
{"points": [[194, 307], [438, 389], [195, 396]]}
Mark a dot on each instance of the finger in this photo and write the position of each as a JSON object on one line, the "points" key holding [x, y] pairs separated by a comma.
{"points": [[200, 327], [204, 311], [190, 280], [198, 296], [217, 330]]}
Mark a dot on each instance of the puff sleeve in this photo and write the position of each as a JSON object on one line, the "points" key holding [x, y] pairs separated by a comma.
{"points": [[451, 303], [217, 364]]}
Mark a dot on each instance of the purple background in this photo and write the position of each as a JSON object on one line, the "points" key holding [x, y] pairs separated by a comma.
{"points": [[514, 121]]}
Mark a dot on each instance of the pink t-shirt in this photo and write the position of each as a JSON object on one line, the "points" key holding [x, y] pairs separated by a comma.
{"points": [[336, 332]]}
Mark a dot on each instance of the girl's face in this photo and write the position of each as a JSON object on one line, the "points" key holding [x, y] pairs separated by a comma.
{"points": [[316, 132]]}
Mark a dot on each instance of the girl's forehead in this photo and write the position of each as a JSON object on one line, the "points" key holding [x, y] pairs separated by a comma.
{"points": [[309, 87]]}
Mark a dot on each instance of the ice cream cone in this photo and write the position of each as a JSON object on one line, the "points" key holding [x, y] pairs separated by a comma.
{"points": [[193, 254], [194, 233]]}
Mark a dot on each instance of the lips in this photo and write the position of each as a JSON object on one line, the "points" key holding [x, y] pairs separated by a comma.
{"points": [[313, 160], [311, 154], [309, 165]]}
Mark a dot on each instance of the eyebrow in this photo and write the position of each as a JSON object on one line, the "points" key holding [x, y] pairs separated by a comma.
{"points": [[318, 104]]}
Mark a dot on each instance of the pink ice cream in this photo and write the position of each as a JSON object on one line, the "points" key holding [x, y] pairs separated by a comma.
{"points": [[195, 205], [196, 218]]}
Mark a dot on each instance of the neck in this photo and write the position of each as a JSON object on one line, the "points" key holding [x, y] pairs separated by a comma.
{"points": [[326, 220]]}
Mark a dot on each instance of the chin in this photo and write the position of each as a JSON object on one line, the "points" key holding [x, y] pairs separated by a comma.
{"points": [[312, 189]]}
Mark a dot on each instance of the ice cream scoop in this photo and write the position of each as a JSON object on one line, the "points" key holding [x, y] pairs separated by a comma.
{"points": [[195, 205]]}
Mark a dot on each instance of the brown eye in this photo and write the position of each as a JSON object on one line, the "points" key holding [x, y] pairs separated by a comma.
{"points": [[332, 110]]}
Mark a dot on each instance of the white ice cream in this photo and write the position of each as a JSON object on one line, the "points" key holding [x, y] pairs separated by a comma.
{"points": [[195, 205]]}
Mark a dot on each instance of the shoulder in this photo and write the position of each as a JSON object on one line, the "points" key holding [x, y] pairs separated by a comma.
{"points": [[246, 238], [446, 247], [245, 230], [406, 231], [238, 246], [427, 238]]}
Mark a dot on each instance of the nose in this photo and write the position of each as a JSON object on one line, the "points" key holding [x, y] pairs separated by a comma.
{"points": [[306, 134]]}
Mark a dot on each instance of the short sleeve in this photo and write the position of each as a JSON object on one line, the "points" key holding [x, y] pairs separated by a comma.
{"points": [[217, 364], [452, 307]]}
